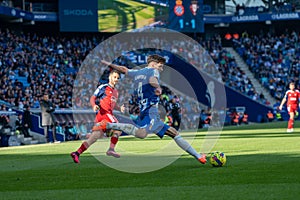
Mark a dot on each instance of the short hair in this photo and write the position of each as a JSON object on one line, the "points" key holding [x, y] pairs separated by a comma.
{"points": [[114, 71], [156, 58]]}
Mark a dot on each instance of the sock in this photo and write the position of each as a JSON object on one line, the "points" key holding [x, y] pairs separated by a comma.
{"points": [[291, 123], [127, 128], [84, 146], [113, 142], [183, 144]]}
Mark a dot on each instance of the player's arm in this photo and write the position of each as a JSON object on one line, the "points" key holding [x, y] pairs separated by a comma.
{"points": [[153, 81], [93, 103], [121, 69], [282, 102]]}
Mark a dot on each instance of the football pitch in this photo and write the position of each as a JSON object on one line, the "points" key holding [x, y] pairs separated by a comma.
{"points": [[123, 15], [262, 163]]}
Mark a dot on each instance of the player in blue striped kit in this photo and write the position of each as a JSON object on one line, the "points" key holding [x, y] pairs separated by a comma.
{"points": [[147, 89]]}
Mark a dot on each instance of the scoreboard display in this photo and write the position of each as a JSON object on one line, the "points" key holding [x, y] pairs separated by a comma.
{"points": [[129, 15], [186, 15]]}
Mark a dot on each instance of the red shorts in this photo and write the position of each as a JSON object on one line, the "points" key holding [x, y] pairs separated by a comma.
{"points": [[292, 108], [100, 117], [109, 117]]}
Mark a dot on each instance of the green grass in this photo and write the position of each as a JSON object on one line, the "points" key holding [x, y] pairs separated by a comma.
{"points": [[122, 15], [262, 163]]}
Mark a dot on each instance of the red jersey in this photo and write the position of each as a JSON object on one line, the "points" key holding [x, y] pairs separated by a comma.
{"points": [[292, 97], [108, 97]]}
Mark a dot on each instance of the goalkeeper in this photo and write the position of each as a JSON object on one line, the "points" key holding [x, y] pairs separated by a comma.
{"points": [[108, 96]]}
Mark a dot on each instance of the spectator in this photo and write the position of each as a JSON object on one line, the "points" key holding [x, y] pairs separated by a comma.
{"points": [[235, 118], [59, 128], [4, 3], [270, 116], [168, 120], [82, 129], [244, 118], [47, 117], [71, 132], [4, 118], [27, 123], [278, 116], [175, 111], [20, 126]]}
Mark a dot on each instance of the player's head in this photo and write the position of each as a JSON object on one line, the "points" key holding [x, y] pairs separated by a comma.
{"points": [[114, 77], [292, 85], [156, 61]]}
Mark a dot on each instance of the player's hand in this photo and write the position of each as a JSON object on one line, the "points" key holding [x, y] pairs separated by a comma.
{"points": [[122, 108], [96, 108], [158, 91]]}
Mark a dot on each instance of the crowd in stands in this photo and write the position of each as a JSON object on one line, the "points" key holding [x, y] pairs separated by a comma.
{"points": [[227, 71], [44, 64], [31, 65], [274, 59], [277, 7]]}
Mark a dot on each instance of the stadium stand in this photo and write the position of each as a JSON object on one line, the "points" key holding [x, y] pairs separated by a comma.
{"points": [[274, 59], [32, 64]]}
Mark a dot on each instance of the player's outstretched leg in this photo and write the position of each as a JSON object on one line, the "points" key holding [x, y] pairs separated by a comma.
{"points": [[183, 144], [189, 149], [127, 128]]}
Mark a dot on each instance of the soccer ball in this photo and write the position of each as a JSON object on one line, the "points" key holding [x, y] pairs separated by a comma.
{"points": [[217, 159]]}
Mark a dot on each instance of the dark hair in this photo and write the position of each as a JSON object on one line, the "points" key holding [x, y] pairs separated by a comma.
{"points": [[292, 83], [156, 58], [114, 71]]}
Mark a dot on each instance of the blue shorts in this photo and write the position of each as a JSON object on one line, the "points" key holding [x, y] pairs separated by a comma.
{"points": [[150, 120]]}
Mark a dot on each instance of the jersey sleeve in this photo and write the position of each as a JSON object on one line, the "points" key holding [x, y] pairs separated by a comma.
{"points": [[285, 95], [99, 91], [131, 72]]}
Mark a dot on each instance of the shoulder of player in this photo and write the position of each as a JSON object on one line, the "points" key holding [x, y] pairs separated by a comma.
{"points": [[103, 86], [100, 89], [152, 71]]}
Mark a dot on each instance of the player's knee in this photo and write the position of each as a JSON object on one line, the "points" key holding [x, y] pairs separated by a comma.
{"points": [[172, 132], [141, 134]]}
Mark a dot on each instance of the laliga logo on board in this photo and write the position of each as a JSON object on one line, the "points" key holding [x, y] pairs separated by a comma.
{"points": [[178, 8], [194, 7]]}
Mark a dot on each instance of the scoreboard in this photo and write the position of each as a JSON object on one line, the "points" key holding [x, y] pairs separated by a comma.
{"points": [[103, 15], [186, 15]]}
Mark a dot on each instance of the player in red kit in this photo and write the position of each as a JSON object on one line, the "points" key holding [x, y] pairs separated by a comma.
{"points": [[108, 96], [292, 97]]}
